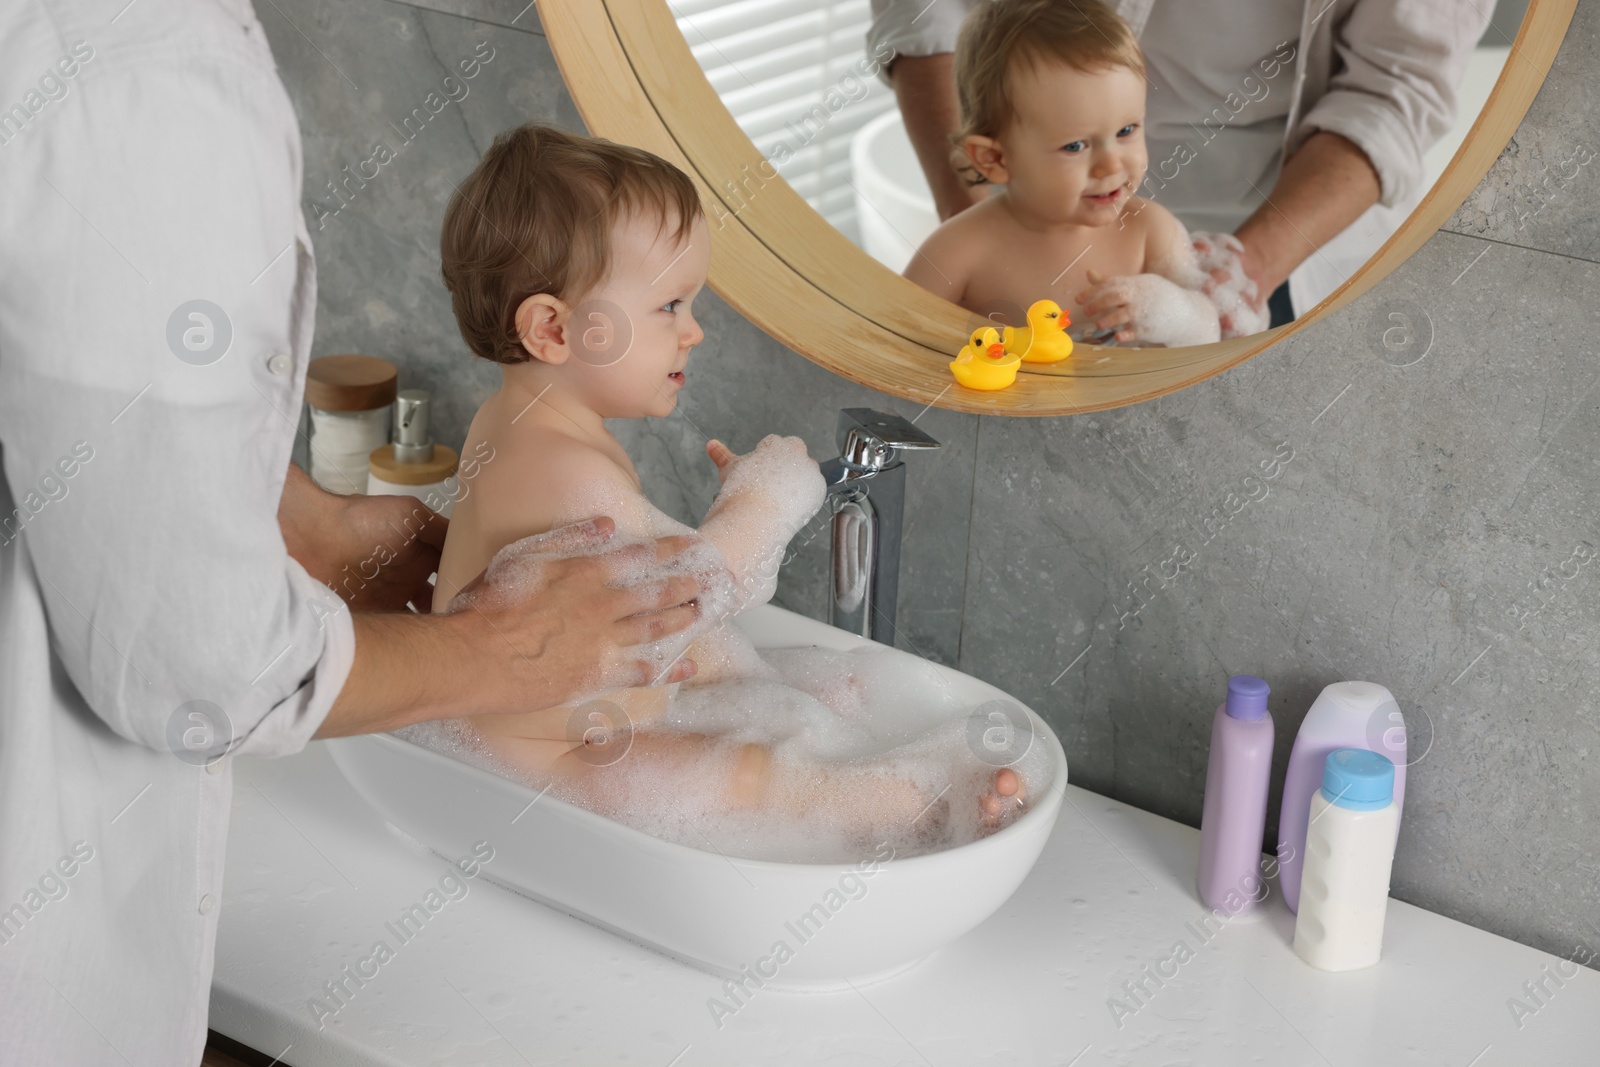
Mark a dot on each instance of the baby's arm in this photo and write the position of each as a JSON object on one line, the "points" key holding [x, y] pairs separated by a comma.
{"points": [[767, 497], [1163, 305]]}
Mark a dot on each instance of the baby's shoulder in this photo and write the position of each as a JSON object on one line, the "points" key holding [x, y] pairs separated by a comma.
{"points": [[1164, 237], [1146, 217], [948, 256]]}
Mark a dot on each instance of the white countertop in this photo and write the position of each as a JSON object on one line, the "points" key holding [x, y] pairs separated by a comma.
{"points": [[313, 876]]}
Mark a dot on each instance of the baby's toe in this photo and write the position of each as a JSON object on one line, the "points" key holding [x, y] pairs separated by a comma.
{"points": [[997, 807]]}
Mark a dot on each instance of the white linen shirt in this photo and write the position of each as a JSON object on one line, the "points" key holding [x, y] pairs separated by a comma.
{"points": [[149, 157], [1381, 73]]}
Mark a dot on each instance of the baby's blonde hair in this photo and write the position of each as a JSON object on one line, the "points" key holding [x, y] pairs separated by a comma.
{"points": [[1003, 36]]}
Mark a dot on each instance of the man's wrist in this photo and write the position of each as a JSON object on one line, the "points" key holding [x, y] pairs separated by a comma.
{"points": [[1267, 276], [407, 669], [305, 513]]}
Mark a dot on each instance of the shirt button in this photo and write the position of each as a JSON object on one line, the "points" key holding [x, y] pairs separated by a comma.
{"points": [[280, 364], [207, 902]]}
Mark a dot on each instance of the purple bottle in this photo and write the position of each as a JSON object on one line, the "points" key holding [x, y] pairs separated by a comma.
{"points": [[1235, 815]]}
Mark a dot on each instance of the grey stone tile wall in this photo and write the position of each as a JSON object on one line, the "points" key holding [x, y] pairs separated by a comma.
{"points": [[1418, 527]]}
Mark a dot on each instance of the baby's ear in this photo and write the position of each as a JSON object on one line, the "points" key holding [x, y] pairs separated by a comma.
{"points": [[541, 327], [987, 156]]}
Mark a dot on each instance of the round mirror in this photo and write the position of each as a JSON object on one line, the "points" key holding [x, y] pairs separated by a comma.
{"points": [[792, 116]]}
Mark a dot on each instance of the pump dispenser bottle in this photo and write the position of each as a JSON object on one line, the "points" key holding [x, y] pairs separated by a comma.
{"points": [[1345, 715], [415, 464], [1235, 813]]}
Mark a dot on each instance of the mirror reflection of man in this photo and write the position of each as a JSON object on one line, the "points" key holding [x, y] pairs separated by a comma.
{"points": [[1298, 128]]}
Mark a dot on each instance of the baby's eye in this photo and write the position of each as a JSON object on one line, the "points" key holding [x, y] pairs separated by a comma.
{"points": [[671, 306], [1128, 129], [1075, 147]]}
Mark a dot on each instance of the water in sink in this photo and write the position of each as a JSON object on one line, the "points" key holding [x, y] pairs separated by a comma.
{"points": [[869, 746]]}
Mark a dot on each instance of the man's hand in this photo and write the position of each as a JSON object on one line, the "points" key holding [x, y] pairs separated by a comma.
{"points": [[1232, 284], [375, 551], [550, 620]]}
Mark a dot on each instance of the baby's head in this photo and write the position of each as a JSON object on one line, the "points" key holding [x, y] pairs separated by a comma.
{"points": [[1052, 106], [579, 258]]}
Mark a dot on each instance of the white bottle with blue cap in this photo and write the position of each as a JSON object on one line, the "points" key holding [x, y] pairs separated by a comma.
{"points": [[1344, 890]]}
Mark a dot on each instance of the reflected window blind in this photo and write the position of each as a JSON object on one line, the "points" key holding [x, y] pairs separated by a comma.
{"points": [[775, 63]]}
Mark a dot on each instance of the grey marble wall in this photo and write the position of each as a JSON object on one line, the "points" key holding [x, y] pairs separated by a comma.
{"points": [[1421, 532]]}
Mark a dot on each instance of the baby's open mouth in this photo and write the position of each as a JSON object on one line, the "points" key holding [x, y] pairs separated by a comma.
{"points": [[676, 375], [1105, 198]]}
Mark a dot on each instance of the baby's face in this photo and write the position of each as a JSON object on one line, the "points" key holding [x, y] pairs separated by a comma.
{"points": [[641, 329], [1074, 151]]}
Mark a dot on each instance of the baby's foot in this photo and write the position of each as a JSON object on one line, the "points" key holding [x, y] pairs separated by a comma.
{"points": [[1006, 799]]}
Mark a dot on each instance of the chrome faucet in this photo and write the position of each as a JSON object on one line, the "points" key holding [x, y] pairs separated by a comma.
{"points": [[867, 491]]}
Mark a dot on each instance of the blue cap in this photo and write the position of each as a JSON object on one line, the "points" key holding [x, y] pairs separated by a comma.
{"points": [[1247, 697], [1358, 779]]}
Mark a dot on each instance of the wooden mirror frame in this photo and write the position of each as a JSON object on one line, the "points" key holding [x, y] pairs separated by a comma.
{"points": [[781, 265]]}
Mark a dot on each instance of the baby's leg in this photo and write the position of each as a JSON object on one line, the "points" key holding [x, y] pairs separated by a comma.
{"points": [[871, 796], [597, 731], [696, 773]]}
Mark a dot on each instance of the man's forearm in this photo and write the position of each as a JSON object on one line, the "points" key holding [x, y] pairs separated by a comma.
{"points": [[1323, 187], [924, 86], [407, 669]]}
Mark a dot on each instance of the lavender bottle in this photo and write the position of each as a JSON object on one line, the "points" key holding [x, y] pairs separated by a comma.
{"points": [[1234, 819]]}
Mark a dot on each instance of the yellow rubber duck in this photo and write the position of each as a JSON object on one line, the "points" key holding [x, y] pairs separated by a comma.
{"points": [[984, 363], [1044, 339]]}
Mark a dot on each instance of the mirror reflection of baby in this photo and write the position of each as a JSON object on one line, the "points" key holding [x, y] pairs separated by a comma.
{"points": [[573, 262], [1052, 99]]}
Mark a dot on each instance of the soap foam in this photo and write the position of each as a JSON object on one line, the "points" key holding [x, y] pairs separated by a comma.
{"points": [[516, 571], [868, 746]]}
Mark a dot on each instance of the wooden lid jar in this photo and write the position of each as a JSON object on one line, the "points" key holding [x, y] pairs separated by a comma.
{"points": [[351, 397]]}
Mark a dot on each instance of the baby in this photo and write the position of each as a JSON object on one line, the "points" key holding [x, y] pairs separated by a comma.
{"points": [[572, 262], [1052, 99]]}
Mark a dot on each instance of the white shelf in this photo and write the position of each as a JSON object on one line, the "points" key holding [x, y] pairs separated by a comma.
{"points": [[495, 979]]}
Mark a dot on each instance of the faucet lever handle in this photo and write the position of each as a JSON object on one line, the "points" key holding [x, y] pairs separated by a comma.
{"points": [[865, 434]]}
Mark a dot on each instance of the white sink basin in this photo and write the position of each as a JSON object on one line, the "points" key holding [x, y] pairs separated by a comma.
{"points": [[836, 923]]}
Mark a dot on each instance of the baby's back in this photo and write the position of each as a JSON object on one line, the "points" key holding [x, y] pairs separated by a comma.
{"points": [[535, 477]]}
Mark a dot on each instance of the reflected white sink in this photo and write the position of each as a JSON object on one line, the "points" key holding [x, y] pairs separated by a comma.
{"points": [[894, 206], [724, 915]]}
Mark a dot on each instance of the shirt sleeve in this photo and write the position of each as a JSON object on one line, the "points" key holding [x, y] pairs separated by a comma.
{"points": [[154, 330], [1398, 64], [915, 28]]}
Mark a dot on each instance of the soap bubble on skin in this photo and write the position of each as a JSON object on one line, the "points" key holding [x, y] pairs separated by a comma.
{"points": [[877, 726], [516, 570], [1165, 309], [866, 746], [1220, 260]]}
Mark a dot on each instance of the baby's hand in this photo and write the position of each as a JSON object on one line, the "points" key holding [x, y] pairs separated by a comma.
{"points": [[1148, 308], [779, 470], [723, 457], [1240, 309]]}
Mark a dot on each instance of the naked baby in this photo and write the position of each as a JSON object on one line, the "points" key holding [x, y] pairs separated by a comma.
{"points": [[573, 263], [1052, 100]]}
